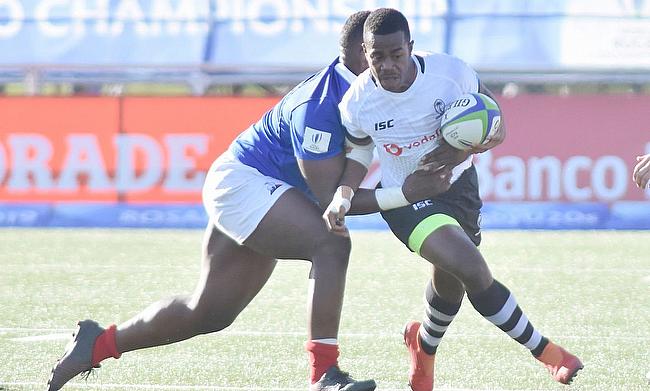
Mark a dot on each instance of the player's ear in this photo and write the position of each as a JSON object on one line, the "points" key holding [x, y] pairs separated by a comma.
{"points": [[411, 46], [363, 46]]}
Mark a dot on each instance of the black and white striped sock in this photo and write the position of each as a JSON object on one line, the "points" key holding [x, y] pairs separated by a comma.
{"points": [[500, 307], [439, 314]]}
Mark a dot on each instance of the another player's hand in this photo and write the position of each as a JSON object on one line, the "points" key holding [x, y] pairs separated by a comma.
{"points": [[641, 172], [423, 184], [334, 214], [444, 155], [492, 140]]}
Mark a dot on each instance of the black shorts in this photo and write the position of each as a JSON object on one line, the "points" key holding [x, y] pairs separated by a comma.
{"points": [[461, 202]]}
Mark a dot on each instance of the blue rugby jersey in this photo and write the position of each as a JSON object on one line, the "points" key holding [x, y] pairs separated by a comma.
{"points": [[305, 124]]}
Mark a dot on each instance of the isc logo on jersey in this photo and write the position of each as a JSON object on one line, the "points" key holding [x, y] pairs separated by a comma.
{"points": [[316, 141], [470, 120]]}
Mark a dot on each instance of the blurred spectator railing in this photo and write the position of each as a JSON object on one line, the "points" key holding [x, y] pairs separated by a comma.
{"points": [[207, 42]]}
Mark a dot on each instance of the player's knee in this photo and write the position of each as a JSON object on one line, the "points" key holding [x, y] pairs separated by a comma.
{"points": [[207, 319], [210, 321], [476, 276]]}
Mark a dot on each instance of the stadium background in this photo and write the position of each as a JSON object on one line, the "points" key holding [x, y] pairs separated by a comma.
{"points": [[113, 110]]}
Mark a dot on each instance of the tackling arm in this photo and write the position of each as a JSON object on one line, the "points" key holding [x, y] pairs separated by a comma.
{"points": [[323, 176], [339, 177], [350, 199], [345, 171], [359, 153]]}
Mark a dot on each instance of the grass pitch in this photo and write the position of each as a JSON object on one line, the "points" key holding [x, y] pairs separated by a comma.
{"points": [[589, 291]]}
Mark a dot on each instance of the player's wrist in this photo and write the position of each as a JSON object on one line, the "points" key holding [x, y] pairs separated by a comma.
{"points": [[391, 198], [342, 199]]}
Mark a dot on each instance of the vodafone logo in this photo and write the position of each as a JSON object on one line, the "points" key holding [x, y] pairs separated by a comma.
{"points": [[397, 150], [393, 149]]}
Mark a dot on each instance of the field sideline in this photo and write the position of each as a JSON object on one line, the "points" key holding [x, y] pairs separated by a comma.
{"points": [[587, 290]]}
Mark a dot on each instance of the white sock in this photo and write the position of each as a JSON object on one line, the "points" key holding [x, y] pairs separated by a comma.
{"points": [[326, 341]]}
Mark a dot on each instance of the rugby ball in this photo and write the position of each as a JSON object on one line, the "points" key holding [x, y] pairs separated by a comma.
{"points": [[470, 120]]}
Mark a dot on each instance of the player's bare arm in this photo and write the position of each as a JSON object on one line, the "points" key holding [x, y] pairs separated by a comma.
{"points": [[323, 176], [641, 173], [334, 182], [349, 199], [443, 156], [419, 185], [358, 153]]}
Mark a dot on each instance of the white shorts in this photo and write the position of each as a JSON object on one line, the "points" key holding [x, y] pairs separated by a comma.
{"points": [[237, 196]]}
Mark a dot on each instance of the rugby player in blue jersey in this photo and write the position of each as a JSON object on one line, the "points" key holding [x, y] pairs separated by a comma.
{"points": [[264, 197]]}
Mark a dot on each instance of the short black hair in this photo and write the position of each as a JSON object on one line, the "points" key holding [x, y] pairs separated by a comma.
{"points": [[384, 21], [352, 30]]}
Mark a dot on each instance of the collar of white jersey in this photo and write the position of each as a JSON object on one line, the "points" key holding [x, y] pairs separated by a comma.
{"points": [[419, 73], [344, 72]]}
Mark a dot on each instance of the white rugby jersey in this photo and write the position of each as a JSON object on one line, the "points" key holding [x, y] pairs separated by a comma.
{"points": [[404, 126]]}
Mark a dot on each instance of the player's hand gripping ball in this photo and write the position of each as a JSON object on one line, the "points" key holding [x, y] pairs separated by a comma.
{"points": [[470, 120]]}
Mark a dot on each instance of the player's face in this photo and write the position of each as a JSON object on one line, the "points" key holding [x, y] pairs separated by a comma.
{"points": [[357, 59], [389, 58]]}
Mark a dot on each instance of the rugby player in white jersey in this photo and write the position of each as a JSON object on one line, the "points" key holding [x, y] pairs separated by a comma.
{"points": [[397, 105]]}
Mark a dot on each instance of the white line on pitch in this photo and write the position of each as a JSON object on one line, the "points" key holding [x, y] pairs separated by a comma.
{"points": [[572, 271], [204, 387], [44, 337], [56, 334], [509, 267], [33, 329]]}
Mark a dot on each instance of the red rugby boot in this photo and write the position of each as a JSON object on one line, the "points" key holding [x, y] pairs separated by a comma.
{"points": [[421, 368], [563, 365]]}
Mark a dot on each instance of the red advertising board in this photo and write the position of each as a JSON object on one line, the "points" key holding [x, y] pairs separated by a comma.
{"points": [[567, 148], [57, 148], [574, 148], [187, 134], [109, 149]]}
